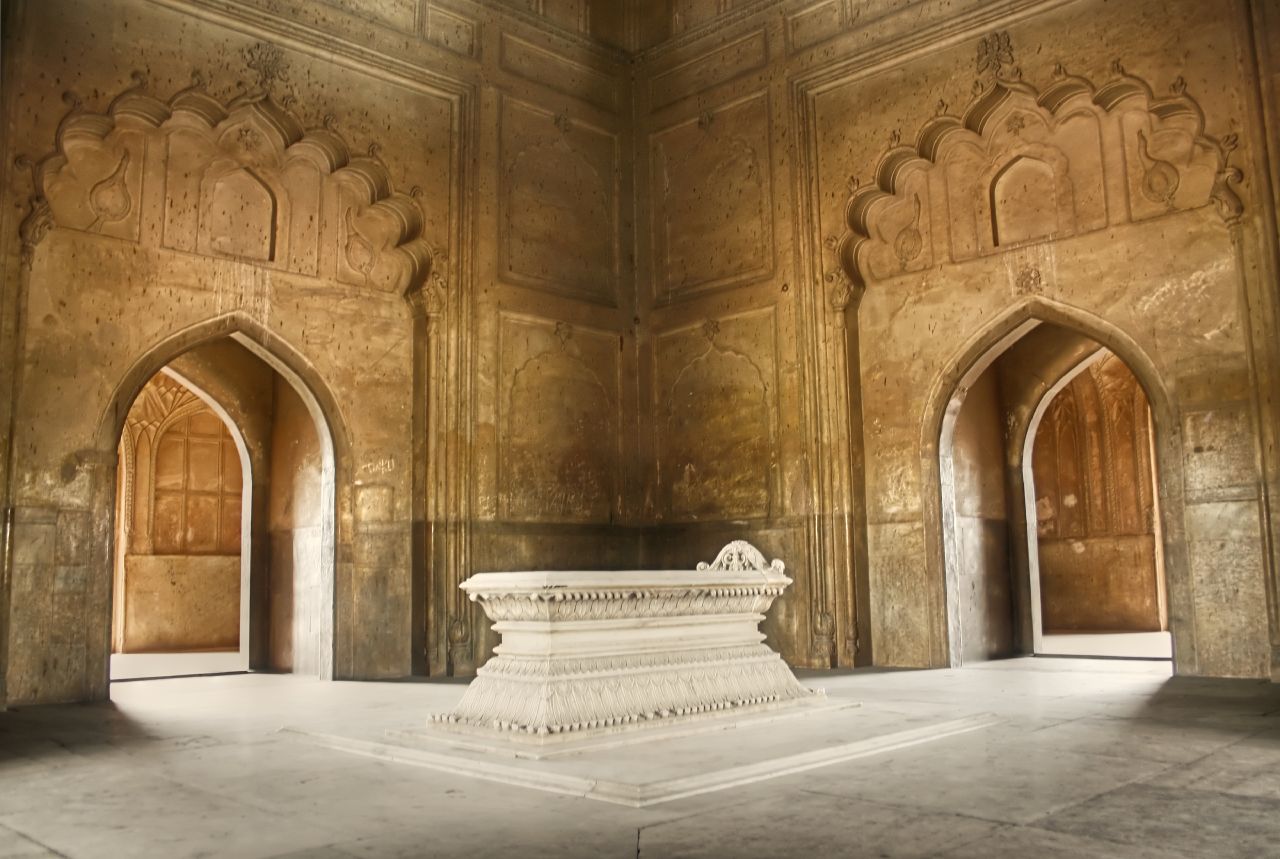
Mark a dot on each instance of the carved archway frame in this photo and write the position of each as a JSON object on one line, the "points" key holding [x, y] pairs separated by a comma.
{"points": [[889, 233], [336, 527], [365, 234], [946, 397]]}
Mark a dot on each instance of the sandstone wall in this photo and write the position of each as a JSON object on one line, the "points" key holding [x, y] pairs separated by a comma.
{"points": [[559, 305], [387, 208], [905, 185]]}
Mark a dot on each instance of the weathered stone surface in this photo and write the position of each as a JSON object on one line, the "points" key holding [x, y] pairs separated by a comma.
{"points": [[567, 284]]}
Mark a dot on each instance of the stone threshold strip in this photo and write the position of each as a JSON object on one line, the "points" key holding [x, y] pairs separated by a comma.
{"points": [[639, 795], [590, 652]]}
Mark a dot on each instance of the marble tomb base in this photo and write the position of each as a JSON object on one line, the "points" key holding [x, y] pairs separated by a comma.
{"points": [[589, 653]]}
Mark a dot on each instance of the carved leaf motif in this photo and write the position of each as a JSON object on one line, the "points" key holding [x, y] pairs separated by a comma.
{"points": [[110, 198]]}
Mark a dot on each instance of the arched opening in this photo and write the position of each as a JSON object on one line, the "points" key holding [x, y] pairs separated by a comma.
{"points": [[223, 551], [1089, 491], [1023, 573], [183, 536]]}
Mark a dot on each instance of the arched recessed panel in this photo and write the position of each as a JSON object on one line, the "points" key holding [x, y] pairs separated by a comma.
{"points": [[1024, 202], [239, 217]]}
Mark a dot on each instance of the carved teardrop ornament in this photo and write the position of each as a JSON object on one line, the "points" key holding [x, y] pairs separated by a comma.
{"points": [[109, 199], [1159, 178], [909, 242]]}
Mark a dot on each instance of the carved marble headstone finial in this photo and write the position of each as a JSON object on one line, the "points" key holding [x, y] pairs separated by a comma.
{"points": [[741, 556]]}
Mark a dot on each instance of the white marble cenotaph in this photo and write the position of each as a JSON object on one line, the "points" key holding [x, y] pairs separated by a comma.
{"points": [[596, 652]]}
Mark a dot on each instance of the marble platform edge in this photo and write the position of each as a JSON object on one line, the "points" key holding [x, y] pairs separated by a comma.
{"points": [[652, 793], [542, 747]]}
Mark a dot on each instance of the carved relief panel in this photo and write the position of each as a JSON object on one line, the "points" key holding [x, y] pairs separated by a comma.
{"points": [[1024, 165], [558, 212], [711, 187], [244, 179], [715, 420], [558, 451]]}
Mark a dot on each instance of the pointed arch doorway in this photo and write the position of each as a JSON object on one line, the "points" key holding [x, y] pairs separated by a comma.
{"points": [[1097, 585], [223, 552]]}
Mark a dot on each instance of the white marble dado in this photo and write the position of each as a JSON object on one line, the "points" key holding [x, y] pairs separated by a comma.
{"points": [[592, 652]]}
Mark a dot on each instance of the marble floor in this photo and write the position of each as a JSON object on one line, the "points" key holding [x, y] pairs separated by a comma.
{"points": [[1089, 758]]}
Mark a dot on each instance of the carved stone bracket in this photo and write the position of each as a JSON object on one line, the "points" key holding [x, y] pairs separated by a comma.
{"points": [[1230, 206], [33, 228]]}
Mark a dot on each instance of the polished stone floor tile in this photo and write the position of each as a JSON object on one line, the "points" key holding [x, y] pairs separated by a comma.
{"points": [[1083, 758], [807, 823], [1199, 822], [985, 775], [1024, 842]]}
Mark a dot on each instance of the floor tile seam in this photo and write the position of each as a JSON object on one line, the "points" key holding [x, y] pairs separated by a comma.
{"points": [[912, 809], [683, 817], [1181, 852], [34, 840], [1138, 756], [1040, 821], [1195, 761], [1224, 794], [241, 801]]}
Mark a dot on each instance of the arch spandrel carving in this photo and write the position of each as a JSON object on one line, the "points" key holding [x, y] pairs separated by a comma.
{"points": [[1111, 154], [312, 206]]}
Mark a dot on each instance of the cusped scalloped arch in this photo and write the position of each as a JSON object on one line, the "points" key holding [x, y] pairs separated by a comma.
{"points": [[1022, 165], [244, 179]]}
